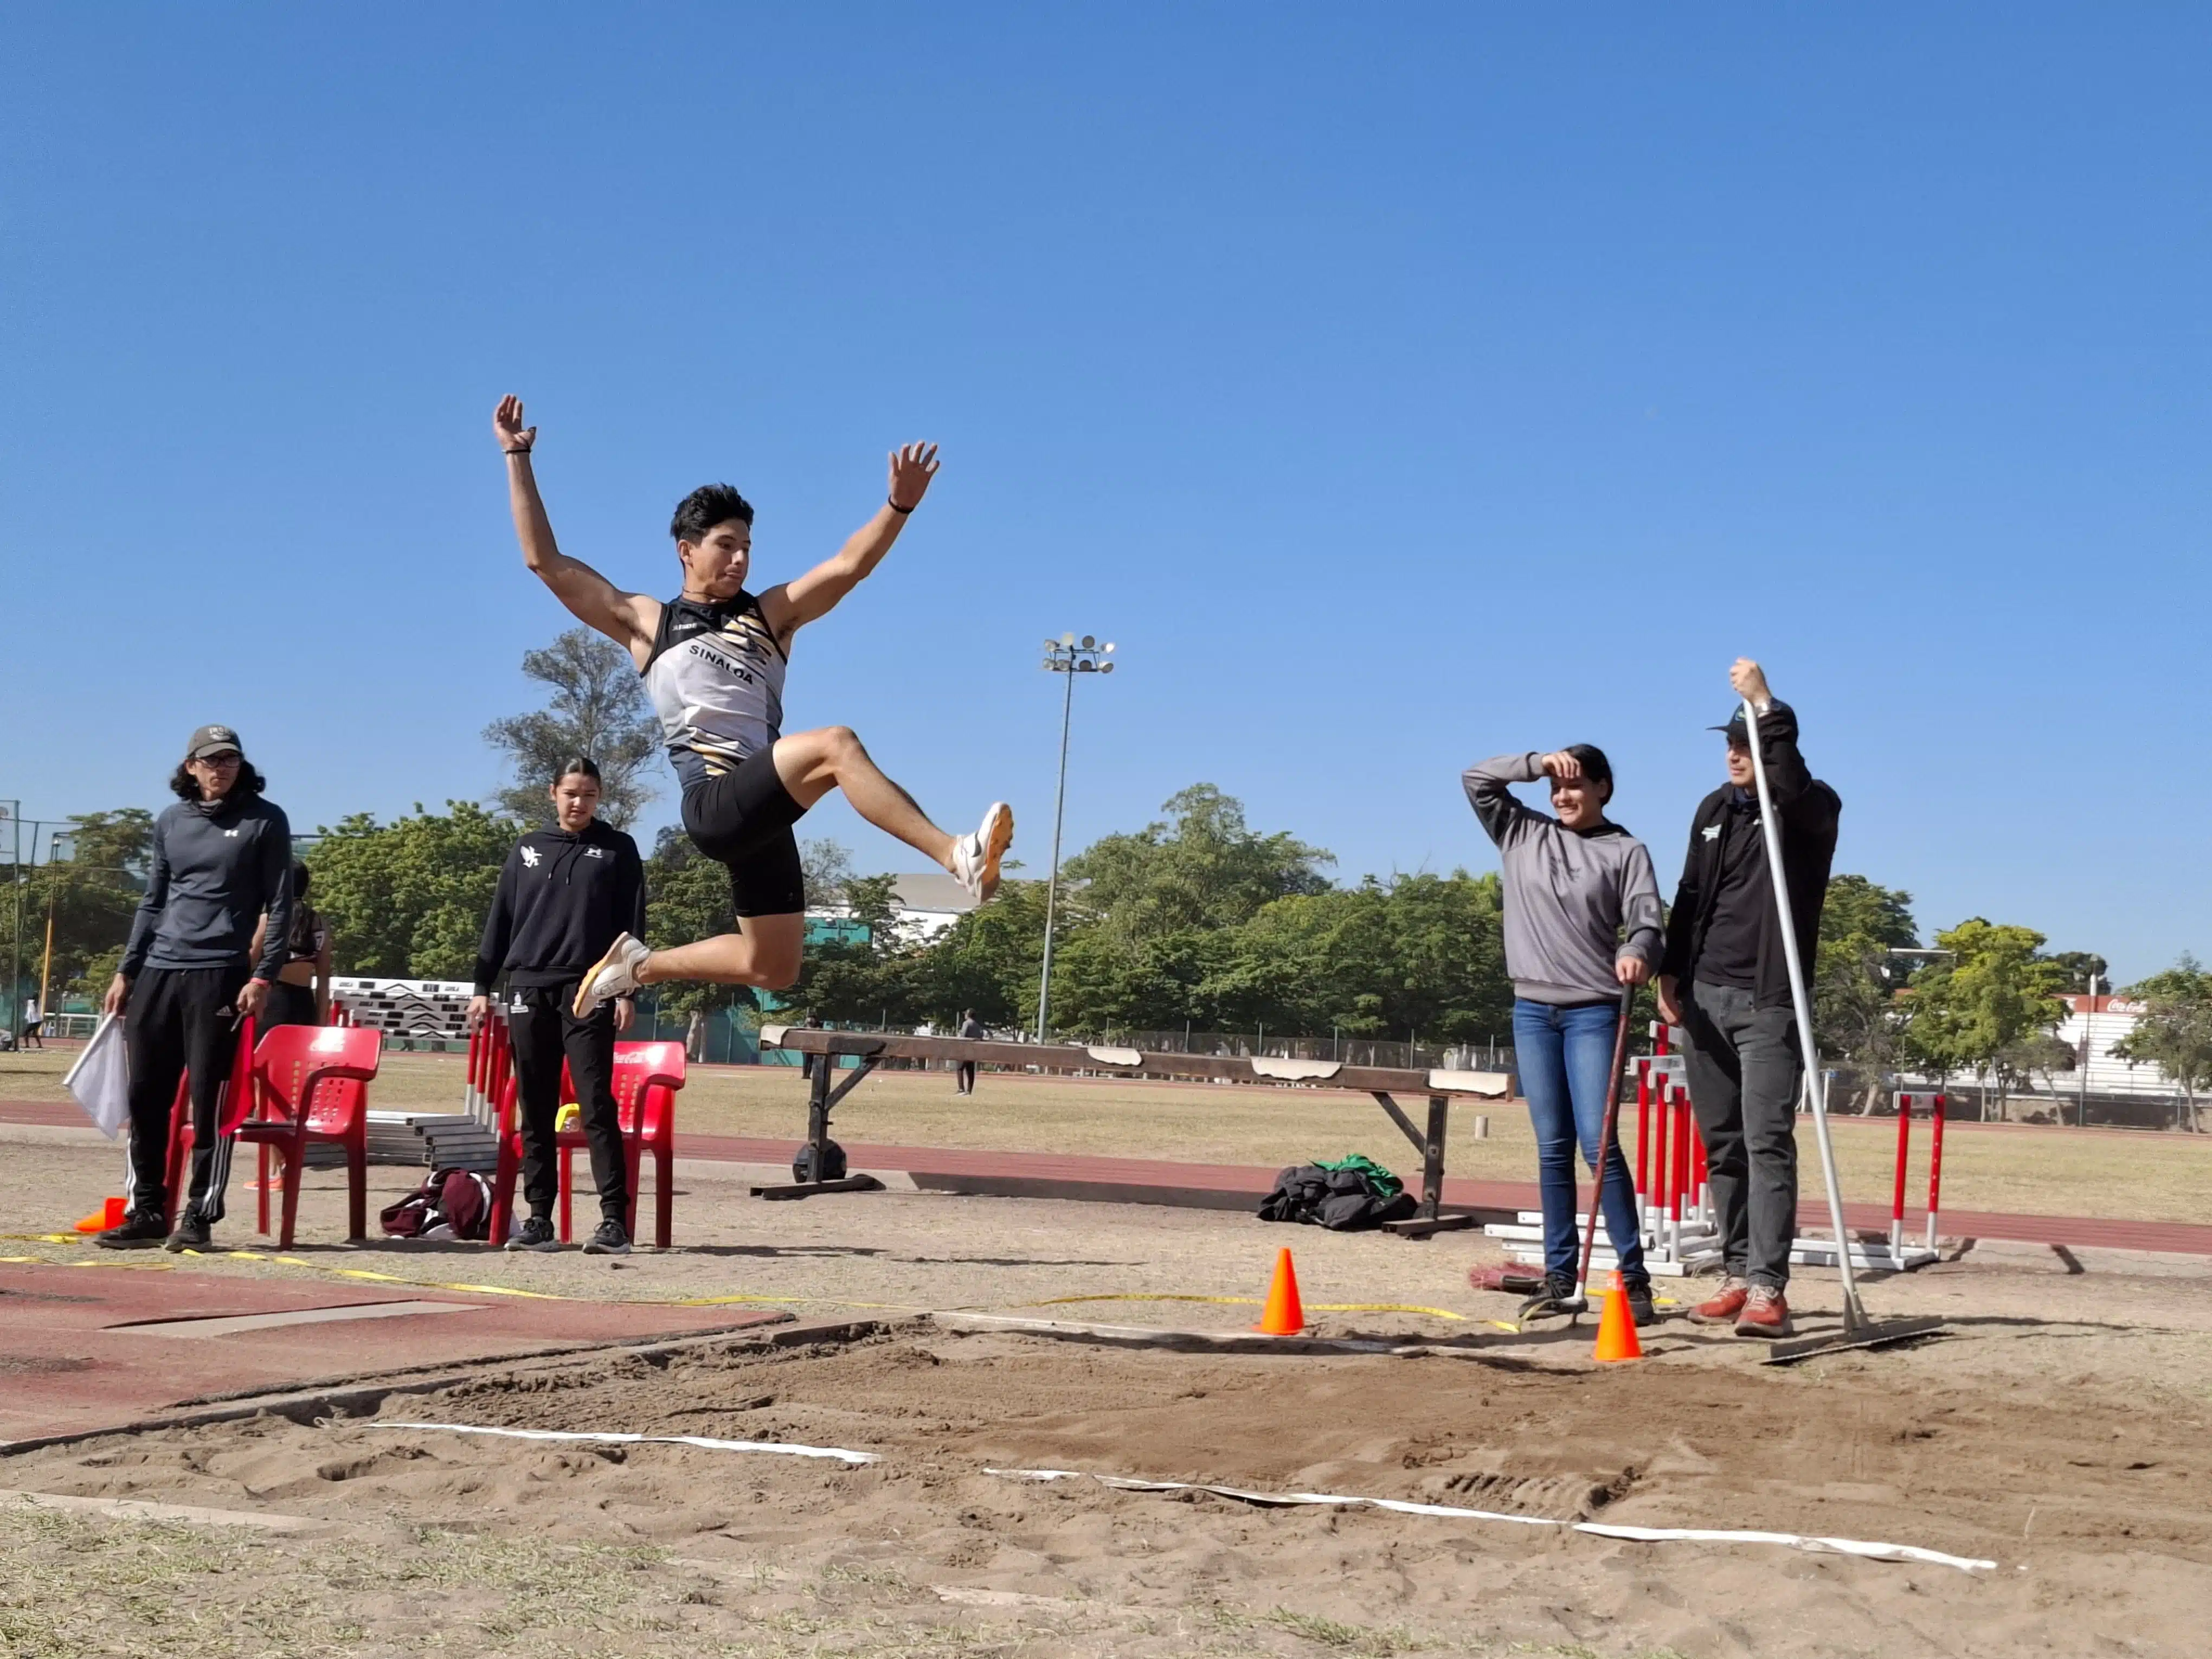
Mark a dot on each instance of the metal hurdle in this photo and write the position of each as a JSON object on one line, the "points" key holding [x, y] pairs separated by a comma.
{"points": [[1895, 1254]]}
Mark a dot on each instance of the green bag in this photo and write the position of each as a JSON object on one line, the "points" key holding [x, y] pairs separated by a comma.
{"points": [[1387, 1186]]}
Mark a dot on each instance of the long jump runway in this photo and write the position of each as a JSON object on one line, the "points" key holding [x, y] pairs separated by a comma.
{"points": [[114, 1344]]}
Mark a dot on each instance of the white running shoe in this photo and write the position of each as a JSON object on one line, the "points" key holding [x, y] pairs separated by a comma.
{"points": [[975, 858], [615, 974]]}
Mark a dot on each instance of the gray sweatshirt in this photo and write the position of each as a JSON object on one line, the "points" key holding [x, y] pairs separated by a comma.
{"points": [[1567, 891], [215, 870]]}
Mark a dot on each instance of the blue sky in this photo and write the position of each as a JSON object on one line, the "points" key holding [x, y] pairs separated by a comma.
{"points": [[1395, 385]]}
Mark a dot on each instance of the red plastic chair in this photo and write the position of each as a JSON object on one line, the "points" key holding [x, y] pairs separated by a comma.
{"points": [[646, 1077], [311, 1084]]}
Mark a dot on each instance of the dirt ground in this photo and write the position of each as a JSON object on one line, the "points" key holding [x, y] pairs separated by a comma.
{"points": [[2060, 1429], [2139, 1174]]}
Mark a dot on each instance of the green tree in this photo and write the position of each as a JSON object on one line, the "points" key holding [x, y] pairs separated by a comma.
{"points": [[598, 708], [90, 897], [407, 900], [1203, 867], [1858, 1018], [2080, 968], [2175, 1032], [1978, 1011], [989, 960]]}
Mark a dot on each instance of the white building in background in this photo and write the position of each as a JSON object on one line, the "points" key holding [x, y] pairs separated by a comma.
{"points": [[923, 905], [2103, 1021]]}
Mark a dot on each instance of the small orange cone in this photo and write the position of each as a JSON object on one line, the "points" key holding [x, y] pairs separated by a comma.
{"points": [[1616, 1326], [1285, 1315], [109, 1214]]}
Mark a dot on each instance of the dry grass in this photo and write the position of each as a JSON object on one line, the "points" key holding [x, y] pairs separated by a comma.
{"points": [[2144, 1176]]}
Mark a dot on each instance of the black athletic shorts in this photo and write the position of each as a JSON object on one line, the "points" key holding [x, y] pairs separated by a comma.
{"points": [[743, 820]]}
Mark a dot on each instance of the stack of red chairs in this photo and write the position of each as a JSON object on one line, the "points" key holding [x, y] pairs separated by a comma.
{"points": [[301, 1084], [648, 1076]]}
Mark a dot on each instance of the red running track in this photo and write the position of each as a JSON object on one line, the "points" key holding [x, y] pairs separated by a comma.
{"points": [[1234, 1187]]}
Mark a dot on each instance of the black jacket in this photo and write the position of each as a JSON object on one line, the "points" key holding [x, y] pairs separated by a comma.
{"points": [[217, 867], [1809, 811], [562, 899]]}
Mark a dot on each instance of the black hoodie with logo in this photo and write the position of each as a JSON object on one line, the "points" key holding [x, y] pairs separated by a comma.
{"points": [[562, 899], [1724, 927]]}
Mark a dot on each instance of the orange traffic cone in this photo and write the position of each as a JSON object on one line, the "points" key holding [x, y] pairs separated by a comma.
{"points": [[1616, 1326], [1285, 1315], [109, 1214]]}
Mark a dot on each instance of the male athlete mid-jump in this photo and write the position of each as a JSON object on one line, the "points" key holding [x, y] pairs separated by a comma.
{"points": [[713, 659]]}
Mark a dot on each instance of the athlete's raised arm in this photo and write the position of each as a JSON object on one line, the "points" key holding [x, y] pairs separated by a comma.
{"points": [[787, 604], [628, 619]]}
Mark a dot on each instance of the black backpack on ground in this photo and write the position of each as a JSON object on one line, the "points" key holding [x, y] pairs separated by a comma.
{"points": [[1343, 1197]]}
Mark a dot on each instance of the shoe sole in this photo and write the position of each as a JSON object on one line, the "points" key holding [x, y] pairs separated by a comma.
{"points": [[179, 1246], [1696, 1318], [606, 1250], [1768, 1333], [550, 1247], [130, 1244], [998, 836], [576, 1002]]}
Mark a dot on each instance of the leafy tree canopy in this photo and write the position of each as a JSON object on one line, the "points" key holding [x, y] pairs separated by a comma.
{"points": [[407, 900], [598, 708]]}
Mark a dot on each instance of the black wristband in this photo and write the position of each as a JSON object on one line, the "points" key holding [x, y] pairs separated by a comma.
{"points": [[525, 450], [902, 511]]}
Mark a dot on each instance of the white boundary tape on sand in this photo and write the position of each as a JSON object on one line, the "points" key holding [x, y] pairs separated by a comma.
{"points": [[700, 1440], [1870, 1552], [1602, 1529]]}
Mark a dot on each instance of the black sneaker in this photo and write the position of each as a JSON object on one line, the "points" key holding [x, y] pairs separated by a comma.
{"points": [[611, 1239], [141, 1230], [1640, 1308], [1556, 1299], [535, 1234], [190, 1233]]}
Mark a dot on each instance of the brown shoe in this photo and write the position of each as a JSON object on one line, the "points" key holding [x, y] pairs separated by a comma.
{"points": [[1764, 1313], [1722, 1307]]}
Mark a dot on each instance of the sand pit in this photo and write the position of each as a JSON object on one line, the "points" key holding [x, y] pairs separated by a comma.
{"points": [[2093, 1511]]}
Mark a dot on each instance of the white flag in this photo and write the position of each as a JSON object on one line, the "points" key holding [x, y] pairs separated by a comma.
{"points": [[100, 1080]]}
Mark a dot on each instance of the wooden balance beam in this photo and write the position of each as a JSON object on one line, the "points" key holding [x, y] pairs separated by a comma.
{"points": [[869, 1049]]}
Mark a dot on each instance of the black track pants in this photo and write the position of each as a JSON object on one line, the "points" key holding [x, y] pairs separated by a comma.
{"points": [[180, 1019], [544, 1031]]}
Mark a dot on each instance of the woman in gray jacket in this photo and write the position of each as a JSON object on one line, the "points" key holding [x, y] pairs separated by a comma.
{"points": [[1573, 885]]}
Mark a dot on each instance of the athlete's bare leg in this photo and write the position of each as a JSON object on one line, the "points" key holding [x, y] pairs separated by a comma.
{"points": [[766, 950], [812, 763], [763, 952]]}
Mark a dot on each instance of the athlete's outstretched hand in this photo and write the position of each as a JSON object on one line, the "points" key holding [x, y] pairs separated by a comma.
{"points": [[507, 425], [911, 468]]}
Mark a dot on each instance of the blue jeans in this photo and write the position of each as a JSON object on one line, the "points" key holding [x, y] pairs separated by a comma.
{"points": [[1563, 1053]]}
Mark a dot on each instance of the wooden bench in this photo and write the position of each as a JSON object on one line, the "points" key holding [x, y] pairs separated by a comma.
{"points": [[868, 1049]]}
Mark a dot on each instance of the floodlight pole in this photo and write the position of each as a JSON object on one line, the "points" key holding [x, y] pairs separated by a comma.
{"points": [[1064, 655]]}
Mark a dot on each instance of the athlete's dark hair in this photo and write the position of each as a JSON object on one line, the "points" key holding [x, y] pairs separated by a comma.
{"points": [[577, 765], [302, 878], [1596, 767], [250, 783], [705, 508]]}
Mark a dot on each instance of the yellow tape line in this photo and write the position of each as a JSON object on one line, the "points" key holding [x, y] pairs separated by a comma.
{"points": [[1254, 1301]]}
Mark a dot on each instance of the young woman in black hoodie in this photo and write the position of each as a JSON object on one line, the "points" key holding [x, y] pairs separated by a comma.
{"points": [[566, 892]]}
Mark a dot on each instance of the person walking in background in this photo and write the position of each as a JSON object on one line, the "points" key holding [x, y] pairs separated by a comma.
{"points": [[221, 856], [566, 893], [1725, 980], [1572, 884], [34, 1024], [971, 1030], [302, 995]]}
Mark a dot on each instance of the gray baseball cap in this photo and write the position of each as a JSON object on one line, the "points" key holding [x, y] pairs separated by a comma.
{"points": [[213, 740]]}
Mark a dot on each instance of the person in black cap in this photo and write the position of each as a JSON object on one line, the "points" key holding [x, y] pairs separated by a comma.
{"points": [[220, 857], [1725, 980]]}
